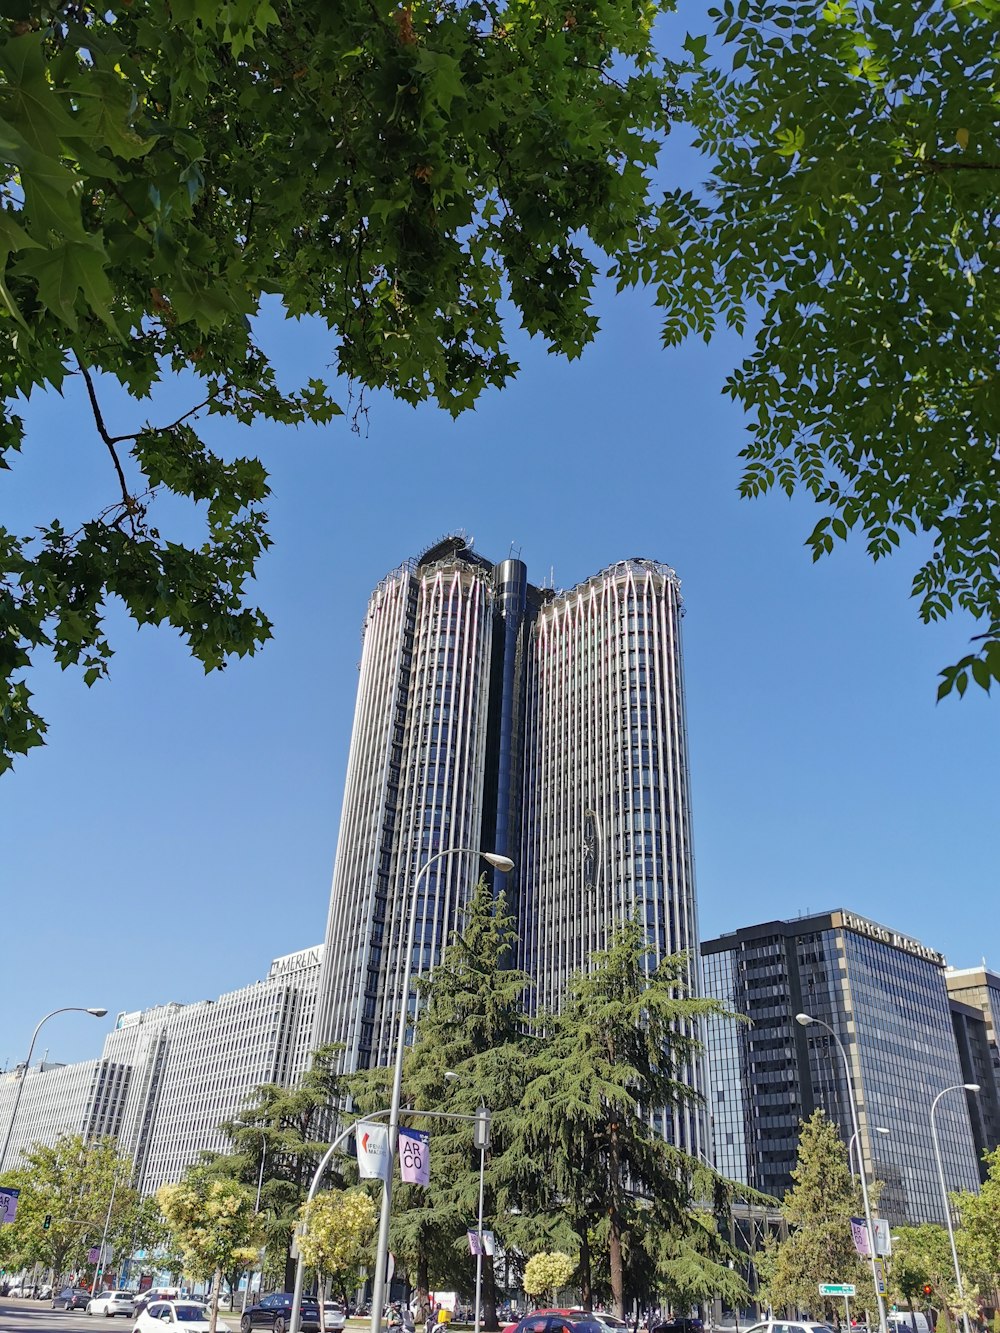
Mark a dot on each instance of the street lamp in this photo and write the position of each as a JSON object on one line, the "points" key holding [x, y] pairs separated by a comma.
{"points": [[499, 862], [256, 1206], [68, 1009], [854, 1144], [481, 1140], [955, 1087], [805, 1020]]}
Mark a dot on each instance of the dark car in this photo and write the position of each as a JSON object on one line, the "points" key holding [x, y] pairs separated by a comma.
{"points": [[71, 1298], [275, 1312], [684, 1325], [557, 1321]]}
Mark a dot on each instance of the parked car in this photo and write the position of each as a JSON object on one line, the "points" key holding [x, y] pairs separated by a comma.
{"points": [[557, 1321], [789, 1326], [610, 1322], [182, 1316], [334, 1317], [275, 1312], [685, 1324], [901, 1321], [44, 1293], [71, 1298], [110, 1303], [145, 1298]]}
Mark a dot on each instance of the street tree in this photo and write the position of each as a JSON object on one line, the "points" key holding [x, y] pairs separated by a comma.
{"points": [[470, 1023], [213, 1222], [81, 1185], [609, 1065], [546, 1273], [341, 1227], [921, 1256], [175, 168], [849, 224], [818, 1209], [285, 1131], [978, 1236]]}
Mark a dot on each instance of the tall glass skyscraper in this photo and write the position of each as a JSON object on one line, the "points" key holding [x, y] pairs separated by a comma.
{"points": [[884, 995], [548, 726]]}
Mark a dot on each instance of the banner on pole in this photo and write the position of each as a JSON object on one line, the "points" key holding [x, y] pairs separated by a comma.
{"points": [[489, 1244], [859, 1234], [415, 1156], [474, 1245], [883, 1240], [8, 1204], [372, 1142]]}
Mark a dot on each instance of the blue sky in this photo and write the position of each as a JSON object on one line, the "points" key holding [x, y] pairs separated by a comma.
{"points": [[178, 831]]}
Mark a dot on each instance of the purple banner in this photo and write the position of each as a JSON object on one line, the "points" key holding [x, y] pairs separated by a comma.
{"points": [[8, 1204], [415, 1156], [859, 1234]]}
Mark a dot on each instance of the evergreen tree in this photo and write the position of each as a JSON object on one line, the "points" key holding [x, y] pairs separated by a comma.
{"points": [[292, 1128], [608, 1067], [470, 1024], [818, 1209]]}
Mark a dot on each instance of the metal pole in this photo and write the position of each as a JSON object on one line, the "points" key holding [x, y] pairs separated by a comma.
{"points": [[256, 1209], [479, 1248], [382, 1249], [805, 1020], [957, 1087], [68, 1009], [300, 1263], [104, 1237]]}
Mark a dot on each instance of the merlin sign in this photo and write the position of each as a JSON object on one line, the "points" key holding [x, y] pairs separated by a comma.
{"points": [[873, 931]]}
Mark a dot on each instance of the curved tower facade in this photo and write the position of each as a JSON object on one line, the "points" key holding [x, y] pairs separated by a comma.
{"points": [[546, 726], [414, 786], [606, 828]]}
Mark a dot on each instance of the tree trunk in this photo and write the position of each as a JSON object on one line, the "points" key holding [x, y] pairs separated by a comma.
{"points": [[290, 1266], [489, 1296], [216, 1288], [615, 1262], [423, 1289], [586, 1286]]}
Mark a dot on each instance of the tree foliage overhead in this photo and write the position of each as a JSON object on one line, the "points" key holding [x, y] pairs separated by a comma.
{"points": [[171, 164], [855, 172]]}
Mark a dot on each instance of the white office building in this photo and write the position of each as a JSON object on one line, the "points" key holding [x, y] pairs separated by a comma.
{"points": [[87, 1098]]}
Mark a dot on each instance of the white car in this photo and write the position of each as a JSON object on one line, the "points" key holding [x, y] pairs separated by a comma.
{"points": [[178, 1316], [110, 1303], [789, 1326], [334, 1317]]}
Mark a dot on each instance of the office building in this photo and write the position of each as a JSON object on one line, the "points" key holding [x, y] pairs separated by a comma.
{"points": [[197, 1065], [171, 1074], [87, 1098], [975, 996], [884, 995], [547, 726]]}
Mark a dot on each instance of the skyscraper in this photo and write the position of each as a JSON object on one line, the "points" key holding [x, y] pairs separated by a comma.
{"points": [[548, 726], [884, 995]]}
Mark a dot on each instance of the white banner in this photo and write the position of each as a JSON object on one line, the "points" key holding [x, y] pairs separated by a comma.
{"points": [[372, 1142], [883, 1240]]}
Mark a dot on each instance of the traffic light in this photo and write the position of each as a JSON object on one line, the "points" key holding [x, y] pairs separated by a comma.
{"points": [[47, 1221], [928, 1289]]}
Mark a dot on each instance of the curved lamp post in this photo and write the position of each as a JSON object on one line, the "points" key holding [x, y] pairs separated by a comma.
{"points": [[68, 1009], [499, 862], [854, 1145], [955, 1087], [805, 1020]]}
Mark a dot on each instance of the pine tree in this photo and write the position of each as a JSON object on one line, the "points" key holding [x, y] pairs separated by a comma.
{"points": [[470, 1023], [818, 1208], [608, 1066]]}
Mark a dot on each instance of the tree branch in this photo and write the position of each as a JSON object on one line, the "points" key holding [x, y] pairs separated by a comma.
{"points": [[103, 432]]}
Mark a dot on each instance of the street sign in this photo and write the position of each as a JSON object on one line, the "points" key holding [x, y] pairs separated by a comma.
{"points": [[837, 1289]]}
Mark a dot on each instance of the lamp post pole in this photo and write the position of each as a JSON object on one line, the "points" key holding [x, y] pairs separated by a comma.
{"points": [[481, 1139], [955, 1087], [499, 862], [854, 1145], [805, 1020], [256, 1209], [68, 1009]]}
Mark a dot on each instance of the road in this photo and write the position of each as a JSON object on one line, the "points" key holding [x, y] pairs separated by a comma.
{"points": [[17, 1316]]}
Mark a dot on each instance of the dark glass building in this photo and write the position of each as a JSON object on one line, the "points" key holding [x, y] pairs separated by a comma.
{"points": [[884, 995], [545, 725], [975, 996]]}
